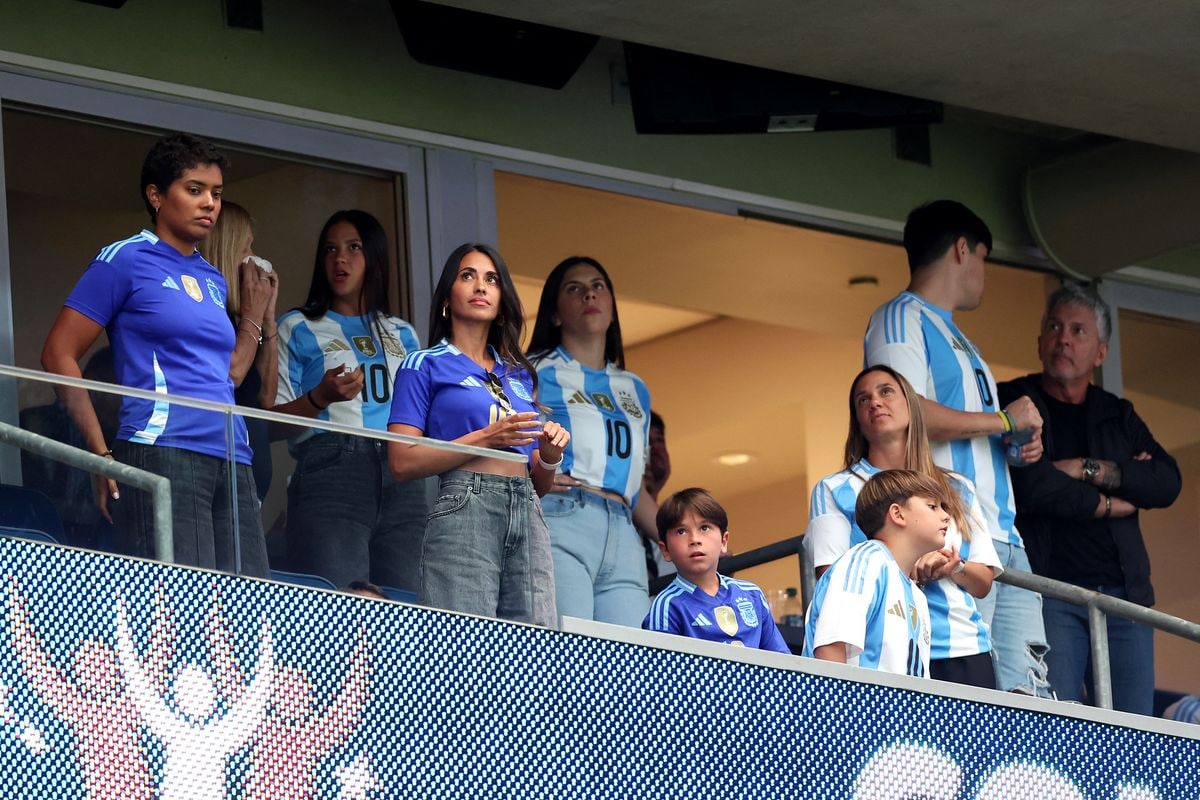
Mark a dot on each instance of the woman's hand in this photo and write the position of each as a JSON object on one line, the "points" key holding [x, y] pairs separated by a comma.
{"points": [[564, 483], [337, 385], [513, 430], [257, 286], [104, 489], [937, 565], [554, 438]]}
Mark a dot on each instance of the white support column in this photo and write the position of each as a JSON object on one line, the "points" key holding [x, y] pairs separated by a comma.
{"points": [[10, 457]]}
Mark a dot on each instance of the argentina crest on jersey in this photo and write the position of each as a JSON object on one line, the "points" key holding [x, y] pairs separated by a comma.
{"points": [[746, 609], [629, 404], [519, 389], [214, 292]]}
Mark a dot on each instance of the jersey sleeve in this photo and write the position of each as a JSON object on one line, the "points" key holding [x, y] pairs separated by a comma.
{"points": [[845, 607], [408, 337], [980, 548], [291, 361], [770, 637], [412, 394], [664, 617], [895, 338], [828, 534], [101, 292]]}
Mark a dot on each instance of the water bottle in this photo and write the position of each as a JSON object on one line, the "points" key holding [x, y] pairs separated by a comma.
{"points": [[791, 610], [1016, 440]]}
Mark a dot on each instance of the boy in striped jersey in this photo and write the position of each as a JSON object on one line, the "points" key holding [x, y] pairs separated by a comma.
{"points": [[866, 611], [693, 532]]}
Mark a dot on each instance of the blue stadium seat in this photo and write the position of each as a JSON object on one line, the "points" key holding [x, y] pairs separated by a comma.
{"points": [[400, 595], [29, 509], [301, 579], [28, 534]]}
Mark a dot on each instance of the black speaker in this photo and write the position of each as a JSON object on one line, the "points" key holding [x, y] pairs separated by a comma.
{"points": [[484, 44], [680, 93]]}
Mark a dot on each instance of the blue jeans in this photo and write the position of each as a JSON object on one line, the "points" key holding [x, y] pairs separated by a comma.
{"points": [[349, 519], [1130, 655], [487, 550], [201, 510], [1018, 635], [599, 561]]}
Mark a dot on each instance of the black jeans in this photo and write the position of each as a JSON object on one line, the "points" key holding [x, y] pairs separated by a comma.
{"points": [[201, 510]]}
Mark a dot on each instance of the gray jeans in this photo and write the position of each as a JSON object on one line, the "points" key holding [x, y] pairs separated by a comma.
{"points": [[487, 550], [201, 510], [348, 519]]}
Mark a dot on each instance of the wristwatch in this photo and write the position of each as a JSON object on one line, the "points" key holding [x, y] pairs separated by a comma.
{"points": [[1091, 470]]}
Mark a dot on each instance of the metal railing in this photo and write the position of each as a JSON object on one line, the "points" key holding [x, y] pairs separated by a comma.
{"points": [[158, 486], [1098, 604]]}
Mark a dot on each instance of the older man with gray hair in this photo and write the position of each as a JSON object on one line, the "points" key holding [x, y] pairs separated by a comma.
{"points": [[1077, 506]]}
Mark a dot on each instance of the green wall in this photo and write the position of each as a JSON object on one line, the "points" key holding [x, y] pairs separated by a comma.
{"points": [[349, 58]]}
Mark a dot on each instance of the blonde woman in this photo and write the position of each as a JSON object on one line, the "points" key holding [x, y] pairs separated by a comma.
{"points": [[887, 431], [253, 368]]}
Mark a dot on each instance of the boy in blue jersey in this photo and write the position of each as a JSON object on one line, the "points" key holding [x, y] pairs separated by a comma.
{"points": [[866, 611], [693, 532]]}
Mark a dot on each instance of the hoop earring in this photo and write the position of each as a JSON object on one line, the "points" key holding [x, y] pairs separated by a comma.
{"points": [[445, 314]]}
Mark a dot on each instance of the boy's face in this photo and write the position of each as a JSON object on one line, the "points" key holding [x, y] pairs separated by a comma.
{"points": [[927, 522], [693, 545]]}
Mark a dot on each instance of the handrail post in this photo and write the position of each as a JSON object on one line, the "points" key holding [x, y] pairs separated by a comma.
{"points": [[1101, 673], [808, 578]]}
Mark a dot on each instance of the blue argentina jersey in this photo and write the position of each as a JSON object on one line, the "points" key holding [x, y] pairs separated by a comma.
{"points": [[310, 347], [921, 342], [865, 601], [165, 317], [445, 394], [956, 626], [607, 413], [737, 614]]}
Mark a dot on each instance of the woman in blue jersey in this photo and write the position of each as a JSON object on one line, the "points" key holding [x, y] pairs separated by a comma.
{"points": [[486, 548], [887, 431], [163, 308], [598, 506], [348, 519]]}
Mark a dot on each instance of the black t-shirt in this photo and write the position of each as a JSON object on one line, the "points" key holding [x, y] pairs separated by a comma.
{"points": [[1082, 552]]}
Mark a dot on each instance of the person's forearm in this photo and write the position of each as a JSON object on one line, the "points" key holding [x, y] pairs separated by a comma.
{"points": [[245, 349], [542, 478], [77, 401], [945, 424], [644, 512], [410, 461], [975, 578], [267, 363]]}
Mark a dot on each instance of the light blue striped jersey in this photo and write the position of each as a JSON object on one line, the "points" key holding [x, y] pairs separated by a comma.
{"points": [[607, 413], [165, 317], [921, 342], [867, 602], [738, 614], [956, 626], [309, 347]]}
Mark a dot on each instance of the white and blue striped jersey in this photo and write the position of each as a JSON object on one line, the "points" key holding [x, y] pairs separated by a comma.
{"points": [[738, 614], [867, 602], [165, 317], [921, 342], [607, 413], [309, 347], [956, 626]]}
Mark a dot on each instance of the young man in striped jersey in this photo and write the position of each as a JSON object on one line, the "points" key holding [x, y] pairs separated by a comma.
{"points": [[915, 334], [693, 531], [866, 611]]}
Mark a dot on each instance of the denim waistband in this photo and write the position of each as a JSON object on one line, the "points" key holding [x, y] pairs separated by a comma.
{"points": [[478, 481], [353, 444], [584, 497]]}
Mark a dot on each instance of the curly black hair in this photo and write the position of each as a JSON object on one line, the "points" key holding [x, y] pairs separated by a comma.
{"points": [[171, 156]]}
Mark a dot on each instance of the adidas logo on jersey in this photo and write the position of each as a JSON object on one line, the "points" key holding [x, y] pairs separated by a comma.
{"points": [[701, 621], [470, 381], [170, 283], [580, 397], [336, 346], [897, 608]]}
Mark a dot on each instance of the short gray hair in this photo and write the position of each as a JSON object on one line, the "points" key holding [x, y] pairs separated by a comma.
{"points": [[1074, 295]]}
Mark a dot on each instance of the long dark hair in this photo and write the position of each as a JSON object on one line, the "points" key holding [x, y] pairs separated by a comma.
{"points": [[373, 297], [547, 335], [506, 330]]}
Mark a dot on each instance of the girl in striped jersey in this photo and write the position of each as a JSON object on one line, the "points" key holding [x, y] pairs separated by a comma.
{"points": [[597, 506], [887, 431], [347, 518]]}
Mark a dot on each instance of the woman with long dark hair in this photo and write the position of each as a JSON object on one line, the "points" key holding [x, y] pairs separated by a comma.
{"points": [[887, 431], [597, 505], [486, 548], [348, 519]]}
